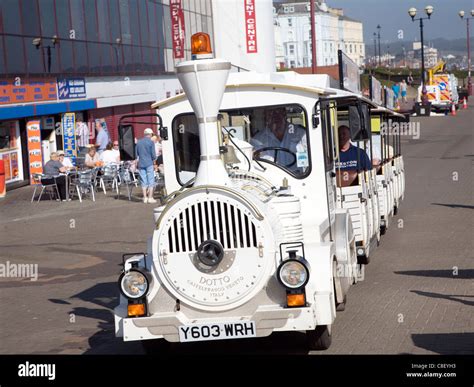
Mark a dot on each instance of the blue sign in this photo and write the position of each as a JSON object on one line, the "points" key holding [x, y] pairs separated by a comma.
{"points": [[69, 136], [70, 88], [442, 86]]}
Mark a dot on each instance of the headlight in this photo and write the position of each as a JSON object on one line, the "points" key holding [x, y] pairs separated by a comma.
{"points": [[134, 284], [293, 274]]}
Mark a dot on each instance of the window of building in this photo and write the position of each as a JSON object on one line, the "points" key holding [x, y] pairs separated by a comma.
{"points": [[16, 61], [30, 18], [290, 22], [291, 49], [47, 17], [78, 22], [95, 37], [10, 10]]}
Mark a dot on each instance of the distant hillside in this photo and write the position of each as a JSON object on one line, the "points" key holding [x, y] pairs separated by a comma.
{"points": [[446, 46]]}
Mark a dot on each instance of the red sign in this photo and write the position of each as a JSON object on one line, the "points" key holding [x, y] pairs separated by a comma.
{"points": [[33, 90], [250, 26], [34, 148], [177, 28]]}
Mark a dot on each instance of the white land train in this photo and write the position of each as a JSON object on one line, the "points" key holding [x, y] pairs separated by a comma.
{"points": [[387, 128], [258, 244]]}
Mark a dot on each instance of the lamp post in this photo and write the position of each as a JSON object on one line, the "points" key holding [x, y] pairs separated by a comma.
{"points": [[412, 12], [380, 52], [313, 37], [469, 82], [375, 49]]}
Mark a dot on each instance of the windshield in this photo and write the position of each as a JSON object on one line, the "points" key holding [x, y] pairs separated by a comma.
{"points": [[278, 135]]}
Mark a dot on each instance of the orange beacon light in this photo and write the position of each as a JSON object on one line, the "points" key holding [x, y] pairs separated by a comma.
{"points": [[201, 46]]}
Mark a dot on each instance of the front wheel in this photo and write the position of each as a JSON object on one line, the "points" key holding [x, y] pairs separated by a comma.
{"points": [[341, 307], [319, 339]]}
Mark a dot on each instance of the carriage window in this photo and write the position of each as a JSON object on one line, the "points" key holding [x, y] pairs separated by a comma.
{"points": [[278, 135]]}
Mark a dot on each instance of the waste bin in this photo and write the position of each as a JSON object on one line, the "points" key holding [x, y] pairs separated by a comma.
{"points": [[423, 109], [2, 179]]}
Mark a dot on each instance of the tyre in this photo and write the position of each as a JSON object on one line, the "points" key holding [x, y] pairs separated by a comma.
{"points": [[363, 259], [395, 210], [319, 339], [156, 347], [383, 230], [341, 307]]}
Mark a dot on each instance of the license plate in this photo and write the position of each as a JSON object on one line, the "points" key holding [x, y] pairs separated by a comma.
{"points": [[218, 331]]}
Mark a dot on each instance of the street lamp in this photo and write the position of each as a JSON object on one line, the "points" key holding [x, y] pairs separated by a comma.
{"points": [[412, 12], [38, 43], [469, 82], [375, 49], [380, 52]]}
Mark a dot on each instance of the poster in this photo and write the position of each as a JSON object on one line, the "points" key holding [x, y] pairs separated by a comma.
{"points": [[376, 90], [18, 90], [70, 88], [250, 26], [349, 76], [8, 173], [34, 148], [177, 28], [69, 136], [14, 165]]}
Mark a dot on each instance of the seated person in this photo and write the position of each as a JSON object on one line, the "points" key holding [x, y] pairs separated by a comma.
{"points": [[109, 156], [92, 158], [377, 150], [116, 149], [65, 161], [280, 133], [348, 159], [51, 170]]}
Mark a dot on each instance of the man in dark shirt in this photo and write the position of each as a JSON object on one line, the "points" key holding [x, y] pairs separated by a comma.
{"points": [[51, 170], [146, 157], [348, 159]]}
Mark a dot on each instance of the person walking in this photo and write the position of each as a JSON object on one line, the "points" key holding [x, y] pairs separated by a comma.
{"points": [[403, 90], [146, 156], [103, 137]]}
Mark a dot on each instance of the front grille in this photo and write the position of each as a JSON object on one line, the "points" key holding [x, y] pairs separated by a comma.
{"points": [[215, 220]]}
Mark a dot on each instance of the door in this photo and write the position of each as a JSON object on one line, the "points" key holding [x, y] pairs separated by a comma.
{"points": [[329, 132]]}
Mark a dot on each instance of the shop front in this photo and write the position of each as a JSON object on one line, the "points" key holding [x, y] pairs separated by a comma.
{"points": [[12, 152]]}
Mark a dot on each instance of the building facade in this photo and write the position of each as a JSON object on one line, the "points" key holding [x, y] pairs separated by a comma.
{"points": [[65, 61], [334, 31]]}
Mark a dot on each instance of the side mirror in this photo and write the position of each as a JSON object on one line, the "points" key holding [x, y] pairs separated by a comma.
{"points": [[366, 122], [315, 119], [164, 133], [354, 123]]}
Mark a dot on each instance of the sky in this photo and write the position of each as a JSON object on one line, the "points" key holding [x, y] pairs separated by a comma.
{"points": [[392, 15]]}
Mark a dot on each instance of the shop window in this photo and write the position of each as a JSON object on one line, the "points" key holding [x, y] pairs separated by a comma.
{"points": [[10, 151]]}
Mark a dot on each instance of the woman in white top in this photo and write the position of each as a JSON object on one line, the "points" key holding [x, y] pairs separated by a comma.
{"points": [[109, 156]]}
